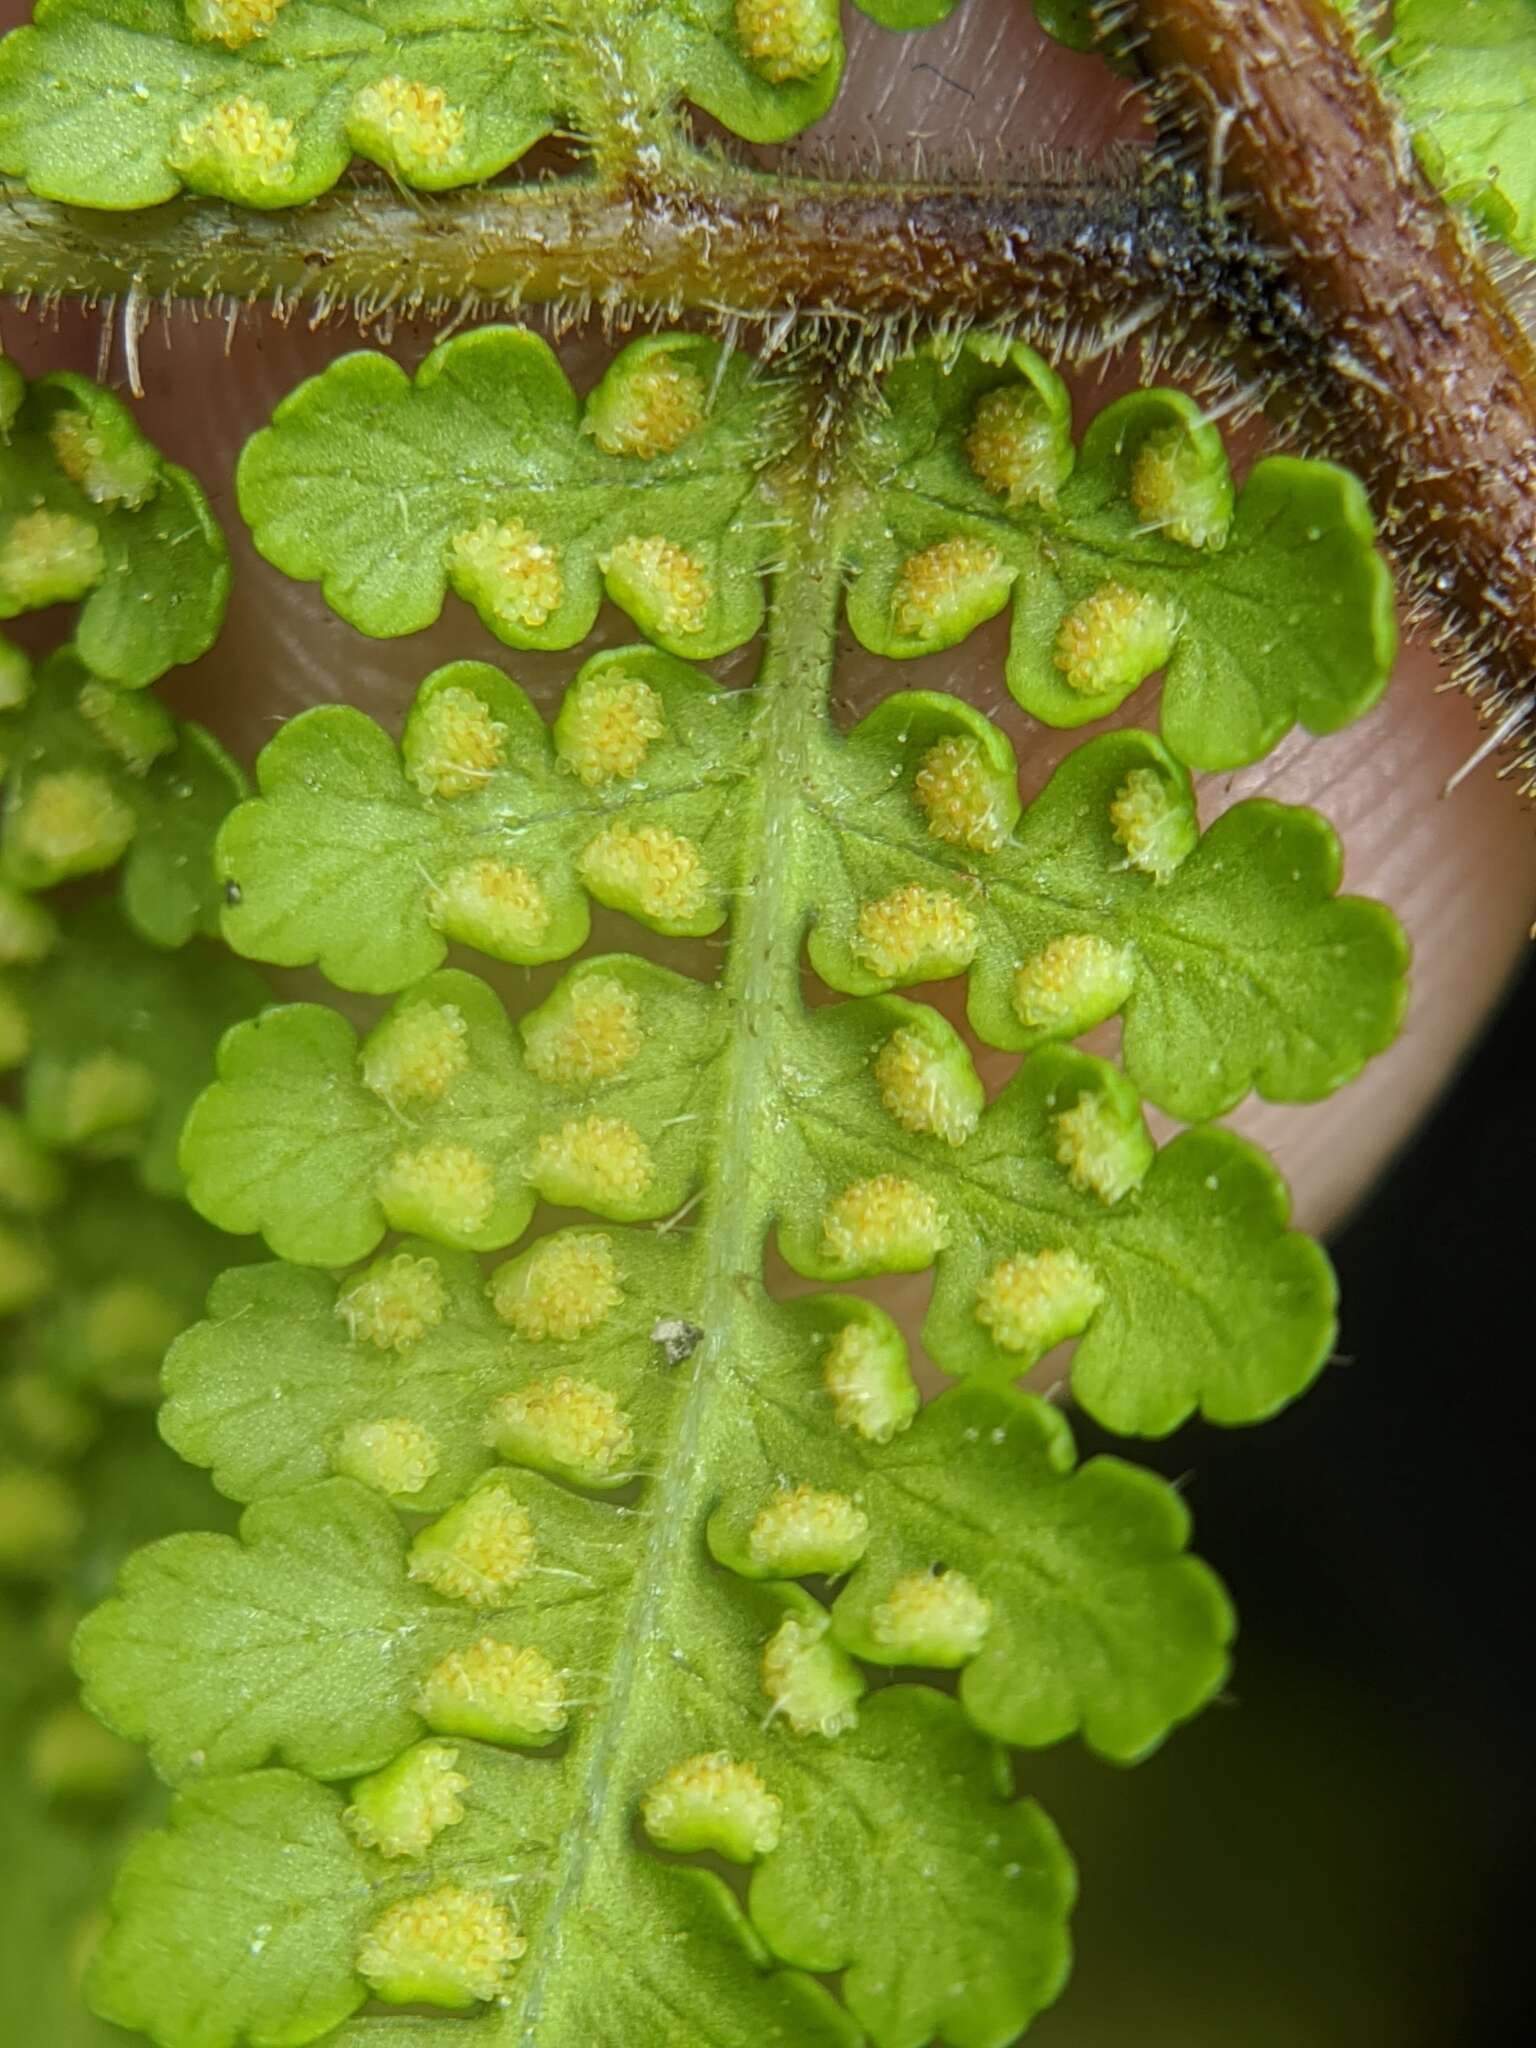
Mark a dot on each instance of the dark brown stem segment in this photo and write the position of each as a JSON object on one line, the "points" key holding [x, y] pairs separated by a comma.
{"points": [[1433, 394], [1073, 255]]}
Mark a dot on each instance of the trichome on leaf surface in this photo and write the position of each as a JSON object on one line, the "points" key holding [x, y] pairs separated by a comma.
{"points": [[616, 1646]]}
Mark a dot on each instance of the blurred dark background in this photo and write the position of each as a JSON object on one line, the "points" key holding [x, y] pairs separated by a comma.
{"points": [[1339, 1857]]}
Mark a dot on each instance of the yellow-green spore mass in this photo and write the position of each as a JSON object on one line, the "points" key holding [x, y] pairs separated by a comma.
{"points": [[1155, 823], [937, 1618], [239, 148], [1033, 1300], [808, 1680], [412, 127], [494, 905], [915, 934], [41, 1518], [594, 1162], [453, 745], [69, 822], [588, 1031], [805, 1529], [448, 1947], [234, 23], [864, 1371], [445, 1191], [394, 1303], [927, 1091], [401, 1810], [128, 1320], [48, 558], [495, 1692], [415, 1056], [1113, 639], [480, 1549], [650, 409], [788, 40], [946, 589], [661, 584], [1073, 983], [26, 1271], [567, 1426], [392, 1454], [1017, 447], [607, 726], [883, 1224], [958, 795], [105, 1092], [713, 1802], [110, 469], [650, 871], [509, 574], [1181, 491], [565, 1287], [1104, 1153]]}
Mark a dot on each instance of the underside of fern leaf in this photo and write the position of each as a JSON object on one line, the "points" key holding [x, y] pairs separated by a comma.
{"points": [[578, 1571]]}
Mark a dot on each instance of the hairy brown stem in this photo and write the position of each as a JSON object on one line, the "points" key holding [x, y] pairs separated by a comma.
{"points": [[1076, 255], [1433, 397]]}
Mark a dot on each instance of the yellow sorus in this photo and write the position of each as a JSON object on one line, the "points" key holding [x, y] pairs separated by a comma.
{"points": [[915, 933], [588, 1031], [393, 1455], [1073, 982], [1114, 638], [566, 1425], [1102, 1154], [649, 870], [234, 23], [486, 903], [948, 587], [882, 1224], [479, 1550], [713, 1802], [130, 723], [124, 475], [607, 726], [1177, 490], [27, 932], [935, 1618], [655, 579], [564, 1288], [129, 1320], [240, 142], [495, 1692], [15, 1032], [40, 1518], [401, 1810], [788, 39], [49, 558], [922, 1090], [504, 568], [866, 1375], [598, 1162], [395, 1303], [416, 1055], [70, 822], [958, 797], [660, 403], [447, 1947], [412, 126], [1154, 822], [1036, 1299], [1016, 448], [106, 1092], [453, 744], [804, 1529], [439, 1188], [808, 1679]]}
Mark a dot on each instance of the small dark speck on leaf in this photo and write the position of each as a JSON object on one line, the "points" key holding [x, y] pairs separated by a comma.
{"points": [[678, 1338], [232, 892]]}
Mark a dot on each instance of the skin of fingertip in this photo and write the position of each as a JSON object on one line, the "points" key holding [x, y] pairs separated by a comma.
{"points": [[1460, 873]]}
